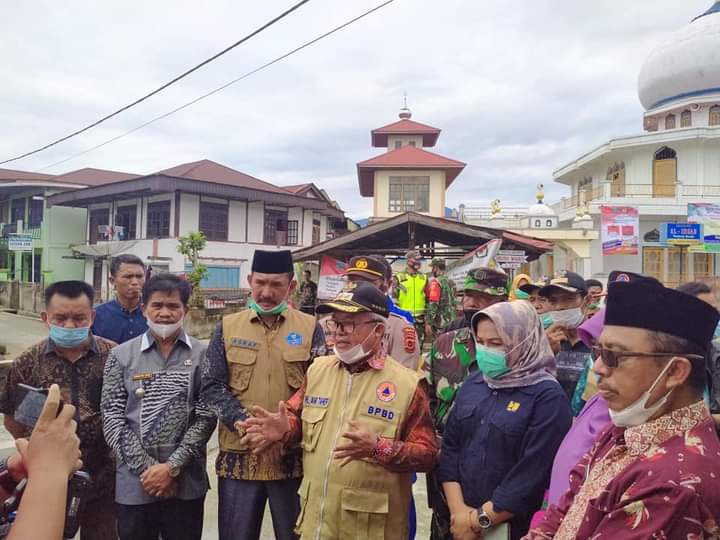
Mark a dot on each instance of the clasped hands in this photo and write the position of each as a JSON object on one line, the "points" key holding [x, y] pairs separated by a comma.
{"points": [[264, 431]]}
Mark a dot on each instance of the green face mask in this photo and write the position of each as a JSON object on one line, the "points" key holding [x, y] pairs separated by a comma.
{"points": [[546, 320], [522, 295], [490, 361], [277, 310]]}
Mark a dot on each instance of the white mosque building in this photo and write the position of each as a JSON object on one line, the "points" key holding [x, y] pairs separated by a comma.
{"points": [[675, 161]]}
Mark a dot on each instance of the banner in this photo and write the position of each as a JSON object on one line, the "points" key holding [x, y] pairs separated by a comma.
{"points": [[331, 280], [482, 256], [707, 215], [620, 230]]}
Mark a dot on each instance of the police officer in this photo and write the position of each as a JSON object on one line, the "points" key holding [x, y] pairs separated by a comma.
{"points": [[401, 338], [258, 356], [441, 308], [365, 427], [411, 292]]}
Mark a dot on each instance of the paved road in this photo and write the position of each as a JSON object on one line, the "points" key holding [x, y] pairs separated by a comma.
{"points": [[18, 333]]}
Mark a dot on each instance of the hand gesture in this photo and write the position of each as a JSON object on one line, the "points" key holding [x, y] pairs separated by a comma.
{"points": [[556, 334], [460, 526], [263, 429], [157, 481], [54, 447], [361, 443]]}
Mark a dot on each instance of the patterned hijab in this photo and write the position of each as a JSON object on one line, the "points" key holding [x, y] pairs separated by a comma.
{"points": [[529, 355]]}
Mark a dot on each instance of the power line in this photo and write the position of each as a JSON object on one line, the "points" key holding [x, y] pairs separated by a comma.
{"points": [[163, 87], [220, 88]]}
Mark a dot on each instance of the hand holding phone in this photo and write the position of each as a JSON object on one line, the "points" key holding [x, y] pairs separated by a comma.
{"points": [[31, 405]]}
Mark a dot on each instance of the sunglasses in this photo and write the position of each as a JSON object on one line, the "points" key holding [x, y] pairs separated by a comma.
{"points": [[612, 358]]}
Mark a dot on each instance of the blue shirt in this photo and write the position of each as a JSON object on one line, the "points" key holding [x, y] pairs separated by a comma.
{"points": [[114, 322], [392, 308], [500, 444]]}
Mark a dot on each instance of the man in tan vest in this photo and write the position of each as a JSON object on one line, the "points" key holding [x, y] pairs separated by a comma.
{"points": [[258, 357], [400, 337], [364, 424]]}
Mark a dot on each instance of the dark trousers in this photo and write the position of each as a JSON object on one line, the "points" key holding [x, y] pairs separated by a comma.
{"points": [[174, 519], [242, 505], [98, 519]]}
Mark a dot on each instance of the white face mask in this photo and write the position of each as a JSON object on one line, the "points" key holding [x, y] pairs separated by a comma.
{"points": [[164, 331], [637, 413], [355, 353], [570, 318]]}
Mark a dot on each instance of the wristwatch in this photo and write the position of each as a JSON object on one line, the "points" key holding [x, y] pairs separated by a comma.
{"points": [[174, 470], [483, 519]]}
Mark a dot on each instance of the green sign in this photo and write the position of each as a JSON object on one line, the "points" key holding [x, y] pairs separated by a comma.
{"points": [[20, 242]]}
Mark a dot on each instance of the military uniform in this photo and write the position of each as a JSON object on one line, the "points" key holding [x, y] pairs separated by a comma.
{"points": [[451, 360], [442, 308]]}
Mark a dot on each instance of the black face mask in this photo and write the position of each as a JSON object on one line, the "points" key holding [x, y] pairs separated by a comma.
{"points": [[470, 313]]}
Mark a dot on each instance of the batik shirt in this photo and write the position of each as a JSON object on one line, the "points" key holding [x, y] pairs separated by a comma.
{"points": [[80, 384], [659, 481]]}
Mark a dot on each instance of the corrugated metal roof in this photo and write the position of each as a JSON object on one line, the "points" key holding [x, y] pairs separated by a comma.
{"points": [[11, 174], [93, 177], [206, 170]]}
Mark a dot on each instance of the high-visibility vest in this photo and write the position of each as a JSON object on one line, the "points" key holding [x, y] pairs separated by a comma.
{"points": [[411, 295]]}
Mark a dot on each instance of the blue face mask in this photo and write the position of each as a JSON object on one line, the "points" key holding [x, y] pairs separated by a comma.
{"points": [[546, 320], [491, 362], [69, 338]]}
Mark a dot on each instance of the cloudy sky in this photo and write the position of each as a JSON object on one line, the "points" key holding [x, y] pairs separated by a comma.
{"points": [[518, 88]]}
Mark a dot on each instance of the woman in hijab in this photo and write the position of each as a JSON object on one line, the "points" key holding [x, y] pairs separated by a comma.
{"points": [[507, 423]]}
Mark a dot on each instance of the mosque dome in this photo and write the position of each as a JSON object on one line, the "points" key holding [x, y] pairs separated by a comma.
{"points": [[540, 209], [686, 65]]}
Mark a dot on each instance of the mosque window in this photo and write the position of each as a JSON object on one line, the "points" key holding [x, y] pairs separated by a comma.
{"points": [[652, 236], [686, 119], [398, 144], [617, 180], [715, 115], [651, 123], [664, 172], [670, 121]]}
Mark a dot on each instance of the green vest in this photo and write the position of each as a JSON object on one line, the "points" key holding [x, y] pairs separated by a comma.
{"points": [[360, 500], [411, 296]]}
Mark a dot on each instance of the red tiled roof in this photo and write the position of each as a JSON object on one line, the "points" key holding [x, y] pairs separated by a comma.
{"points": [[405, 127], [10, 174], [93, 177], [407, 157], [210, 171]]}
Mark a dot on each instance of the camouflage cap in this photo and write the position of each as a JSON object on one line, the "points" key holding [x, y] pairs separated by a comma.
{"points": [[486, 280], [413, 254], [438, 262]]}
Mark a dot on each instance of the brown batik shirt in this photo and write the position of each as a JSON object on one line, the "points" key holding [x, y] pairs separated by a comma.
{"points": [[80, 384]]}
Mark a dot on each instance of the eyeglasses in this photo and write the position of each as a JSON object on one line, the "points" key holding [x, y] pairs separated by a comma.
{"points": [[612, 358], [345, 327]]}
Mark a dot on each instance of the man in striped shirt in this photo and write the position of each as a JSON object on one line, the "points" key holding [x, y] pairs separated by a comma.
{"points": [[155, 422]]}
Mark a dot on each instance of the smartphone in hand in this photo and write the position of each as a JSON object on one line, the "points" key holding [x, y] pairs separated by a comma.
{"points": [[31, 405]]}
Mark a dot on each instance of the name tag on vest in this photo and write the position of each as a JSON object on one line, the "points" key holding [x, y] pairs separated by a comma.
{"points": [[378, 412], [316, 401], [244, 343]]}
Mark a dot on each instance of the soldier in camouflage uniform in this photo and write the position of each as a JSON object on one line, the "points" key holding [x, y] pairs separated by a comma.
{"points": [[441, 308]]}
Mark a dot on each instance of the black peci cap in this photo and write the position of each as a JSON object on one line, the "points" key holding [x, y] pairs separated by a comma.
{"points": [[648, 305], [272, 262]]}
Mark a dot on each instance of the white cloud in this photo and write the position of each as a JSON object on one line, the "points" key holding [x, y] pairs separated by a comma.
{"points": [[519, 89]]}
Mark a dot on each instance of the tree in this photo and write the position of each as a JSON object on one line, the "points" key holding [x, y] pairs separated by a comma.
{"points": [[191, 245]]}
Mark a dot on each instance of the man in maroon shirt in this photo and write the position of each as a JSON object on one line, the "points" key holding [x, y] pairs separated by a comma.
{"points": [[653, 473]]}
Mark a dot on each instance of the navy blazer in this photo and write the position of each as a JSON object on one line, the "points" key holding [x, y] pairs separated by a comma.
{"points": [[500, 444]]}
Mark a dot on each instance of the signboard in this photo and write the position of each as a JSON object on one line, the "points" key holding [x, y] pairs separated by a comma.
{"points": [[682, 234], [511, 259], [620, 226], [20, 242], [477, 258], [708, 215], [331, 280]]}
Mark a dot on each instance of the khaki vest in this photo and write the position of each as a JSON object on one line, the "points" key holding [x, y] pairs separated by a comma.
{"points": [[264, 366], [361, 499]]}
